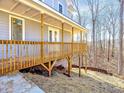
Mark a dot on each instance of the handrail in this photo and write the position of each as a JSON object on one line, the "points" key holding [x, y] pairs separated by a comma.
{"points": [[37, 42]]}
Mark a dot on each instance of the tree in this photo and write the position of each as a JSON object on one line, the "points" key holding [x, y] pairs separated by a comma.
{"points": [[76, 4], [94, 10], [113, 18], [120, 62]]}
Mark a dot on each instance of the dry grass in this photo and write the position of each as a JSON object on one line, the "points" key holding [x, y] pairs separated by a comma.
{"points": [[87, 83]]}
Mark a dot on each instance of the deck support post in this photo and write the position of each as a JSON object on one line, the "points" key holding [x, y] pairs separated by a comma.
{"points": [[85, 63], [49, 67], [72, 38], [69, 65], [72, 45], [80, 48], [82, 60], [79, 66]]}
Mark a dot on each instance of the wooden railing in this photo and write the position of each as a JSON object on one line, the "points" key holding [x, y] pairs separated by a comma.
{"points": [[16, 55]]}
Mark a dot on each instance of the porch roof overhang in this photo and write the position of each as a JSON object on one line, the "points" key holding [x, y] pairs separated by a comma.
{"points": [[32, 10], [45, 9]]}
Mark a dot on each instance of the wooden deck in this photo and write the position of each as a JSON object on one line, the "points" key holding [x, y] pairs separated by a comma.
{"points": [[16, 55]]}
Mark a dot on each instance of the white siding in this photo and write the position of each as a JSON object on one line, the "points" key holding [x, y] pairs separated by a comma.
{"points": [[67, 36], [32, 31], [4, 26]]}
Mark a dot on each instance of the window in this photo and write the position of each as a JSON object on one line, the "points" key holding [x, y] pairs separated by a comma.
{"points": [[50, 36], [42, 0], [53, 35], [60, 8], [16, 28]]}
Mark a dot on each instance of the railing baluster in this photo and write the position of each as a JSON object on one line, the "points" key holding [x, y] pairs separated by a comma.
{"points": [[7, 56], [32, 59], [3, 57], [39, 56], [10, 55], [28, 54], [27, 61], [14, 54], [52, 50], [24, 55], [36, 53], [18, 52], [33, 53], [21, 54]]}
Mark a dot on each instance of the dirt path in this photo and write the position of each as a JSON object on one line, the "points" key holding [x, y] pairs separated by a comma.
{"points": [[89, 83]]}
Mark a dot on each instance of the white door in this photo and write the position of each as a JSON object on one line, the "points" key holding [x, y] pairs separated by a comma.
{"points": [[17, 32], [53, 36], [17, 28]]}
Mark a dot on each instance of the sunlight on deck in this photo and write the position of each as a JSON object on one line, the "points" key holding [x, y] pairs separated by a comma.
{"points": [[117, 82]]}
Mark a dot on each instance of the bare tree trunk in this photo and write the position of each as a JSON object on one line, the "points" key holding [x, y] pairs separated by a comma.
{"points": [[113, 41], [94, 42], [109, 43], [105, 44], [101, 45], [120, 62], [94, 9]]}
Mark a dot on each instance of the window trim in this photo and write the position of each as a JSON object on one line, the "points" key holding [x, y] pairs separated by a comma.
{"points": [[10, 26], [59, 3], [53, 30]]}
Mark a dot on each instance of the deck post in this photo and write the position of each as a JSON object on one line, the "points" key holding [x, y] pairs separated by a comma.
{"points": [[72, 44], [79, 66], [50, 69], [80, 48], [85, 63], [72, 38], [69, 66], [42, 36], [82, 60], [62, 40]]}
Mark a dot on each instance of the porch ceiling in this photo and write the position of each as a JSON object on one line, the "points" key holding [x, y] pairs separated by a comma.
{"points": [[19, 8], [43, 8]]}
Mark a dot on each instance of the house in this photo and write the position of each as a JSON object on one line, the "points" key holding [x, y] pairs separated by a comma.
{"points": [[35, 33]]}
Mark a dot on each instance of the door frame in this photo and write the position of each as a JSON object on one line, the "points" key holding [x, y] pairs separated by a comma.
{"points": [[10, 27]]}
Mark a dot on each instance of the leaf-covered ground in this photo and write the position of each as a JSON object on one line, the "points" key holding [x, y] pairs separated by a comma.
{"points": [[92, 82]]}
